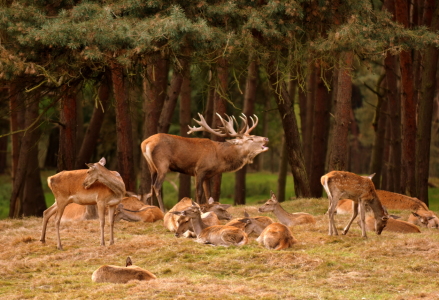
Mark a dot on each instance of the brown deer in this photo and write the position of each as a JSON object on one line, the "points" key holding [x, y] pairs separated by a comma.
{"points": [[185, 228], [424, 219], [116, 274], [199, 157], [133, 210], [172, 221], [276, 236], [345, 185], [97, 185], [217, 235], [249, 225], [284, 217], [393, 225]]}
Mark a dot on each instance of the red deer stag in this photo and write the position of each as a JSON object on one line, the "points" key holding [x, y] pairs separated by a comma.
{"points": [[202, 158], [341, 185], [97, 185]]}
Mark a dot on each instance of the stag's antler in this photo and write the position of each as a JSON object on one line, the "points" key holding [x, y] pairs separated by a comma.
{"points": [[204, 127]]}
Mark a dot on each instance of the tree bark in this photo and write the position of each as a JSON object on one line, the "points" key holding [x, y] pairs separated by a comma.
{"points": [[311, 86], [408, 183], [339, 143], [124, 133], [184, 189], [292, 135], [154, 92], [249, 107], [320, 137], [428, 88], [17, 123], [283, 170], [219, 104], [91, 137], [67, 132]]}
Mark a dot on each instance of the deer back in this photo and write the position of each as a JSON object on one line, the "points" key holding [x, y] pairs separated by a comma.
{"points": [[393, 225], [116, 274], [398, 201], [222, 235], [276, 236], [148, 213]]}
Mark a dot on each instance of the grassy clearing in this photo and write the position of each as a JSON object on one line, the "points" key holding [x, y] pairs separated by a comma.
{"points": [[390, 266]]}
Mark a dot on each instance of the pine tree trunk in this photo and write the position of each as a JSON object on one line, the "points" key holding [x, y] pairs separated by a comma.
{"points": [[292, 135], [283, 170], [67, 133], [379, 125], [319, 137], [428, 88], [124, 133], [249, 107], [184, 189], [17, 123], [311, 86], [408, 108], [154, 92], [92, 134], [339, 143], [219, 106], [385, 180]]}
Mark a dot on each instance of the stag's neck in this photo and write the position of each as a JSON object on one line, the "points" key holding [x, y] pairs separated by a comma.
{"points": [[114, 183], [198, 225], [283, 216], [234, 157]]}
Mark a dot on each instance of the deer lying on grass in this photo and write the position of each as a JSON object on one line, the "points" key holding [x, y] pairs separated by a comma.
{"points": [[217, 235], [185, 228], [276, 236], [202, 158], [250, 225], [345, 185], [116, 274], [133, 210], [97, 185], [424, 219], [171, 221], [283, 216], [393, 225]]}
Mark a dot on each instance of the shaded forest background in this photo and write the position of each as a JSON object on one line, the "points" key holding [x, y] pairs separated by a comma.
{"points": [[337, 85]]}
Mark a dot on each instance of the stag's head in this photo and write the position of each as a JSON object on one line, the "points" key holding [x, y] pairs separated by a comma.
{"points": [[251, 145], [270, 205]]}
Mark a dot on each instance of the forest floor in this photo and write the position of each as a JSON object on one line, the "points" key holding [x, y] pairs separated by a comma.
{"points": [[386, 266]]}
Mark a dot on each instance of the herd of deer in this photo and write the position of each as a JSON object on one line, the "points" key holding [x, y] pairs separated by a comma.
{"points": [[77, 191]]}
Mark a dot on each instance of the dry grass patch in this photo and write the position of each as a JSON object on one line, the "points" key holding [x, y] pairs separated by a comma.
{"points": [[390, 266]]}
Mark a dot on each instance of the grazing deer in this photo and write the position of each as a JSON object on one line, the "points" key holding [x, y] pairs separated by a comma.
{"points": [[393, 225], [283, 216], [133, 210], [217, 235], [276, 236], [202, 158], [345, 185], [116, 274], [250, 225], [171, 221], [97, 185]]}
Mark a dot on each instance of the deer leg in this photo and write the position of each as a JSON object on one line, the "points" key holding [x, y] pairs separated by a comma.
{"points": [[157, 188], [199, 184], [59, 212], [206, 188], [101, 213], [354, 215], [47, 214], [362, 219], [111, 210], [331, 210]]}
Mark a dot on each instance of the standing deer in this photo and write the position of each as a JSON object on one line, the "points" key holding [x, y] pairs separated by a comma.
{"points": [[97, 185], [218, 235], [202, 158], [283, 216], [276, 236], [341, 185]]}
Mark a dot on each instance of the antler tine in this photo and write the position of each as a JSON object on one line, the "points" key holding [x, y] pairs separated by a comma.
{"points": [[245, 126], [253, 124], [204, 127], [228, 126]]}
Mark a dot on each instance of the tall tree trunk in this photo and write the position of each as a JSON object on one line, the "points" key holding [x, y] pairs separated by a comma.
{"points": [[319, 137], [172, 96], [154, 92], [249, 107], [292, 135], [184, 189], [68, 127], [343, 107], [283, 170], [124, 132], [311, 86], [428, 88], [408, 183], [94, 127], [219, 107], [385, 181], [27, 197], [379, 125], [17, 123]]}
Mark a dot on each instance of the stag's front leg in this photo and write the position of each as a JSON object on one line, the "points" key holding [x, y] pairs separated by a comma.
{"points": [[199, 184], [111, 210], [101, 213], [206, 188], [354, 215]]}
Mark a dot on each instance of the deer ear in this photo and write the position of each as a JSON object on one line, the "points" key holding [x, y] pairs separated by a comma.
{"points": [[225, 206], [371, 176], [89, 165], [273, 196], [415, 214], [246, 214], [210, 201], [128, 262], [102, 162]]}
